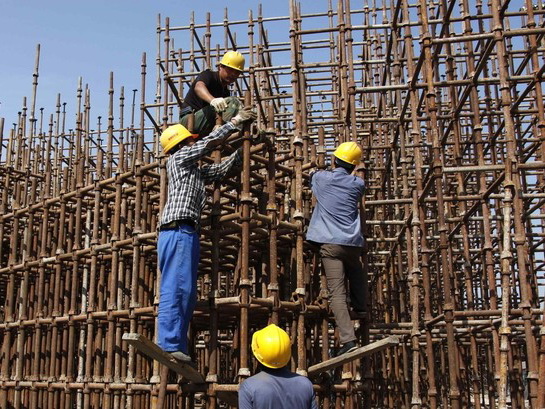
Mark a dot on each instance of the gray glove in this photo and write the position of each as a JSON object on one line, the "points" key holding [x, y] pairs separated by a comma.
{"points": [[244, 115]]}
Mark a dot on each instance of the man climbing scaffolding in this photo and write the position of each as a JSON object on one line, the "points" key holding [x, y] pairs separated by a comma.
{"points": [[178, 241], [336, 227]]}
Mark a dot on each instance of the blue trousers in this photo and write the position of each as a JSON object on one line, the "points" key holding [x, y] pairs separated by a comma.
{"points": [[178, 251]]}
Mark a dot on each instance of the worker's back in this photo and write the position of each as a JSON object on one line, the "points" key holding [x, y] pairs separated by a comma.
{"points": [[276, 389], [336, 217]]}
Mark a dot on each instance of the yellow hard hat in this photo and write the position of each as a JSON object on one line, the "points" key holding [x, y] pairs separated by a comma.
{"points": [[173, 135], [348, 152], [271, 346], [233, 59]]}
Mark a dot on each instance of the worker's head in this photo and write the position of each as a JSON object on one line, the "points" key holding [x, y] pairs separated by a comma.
{"points": [[347, 155], [175, 136], [231, 66], [272, 347]]}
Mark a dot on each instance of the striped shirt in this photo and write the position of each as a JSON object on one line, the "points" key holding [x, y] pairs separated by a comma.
{"points": [[186, 180]]}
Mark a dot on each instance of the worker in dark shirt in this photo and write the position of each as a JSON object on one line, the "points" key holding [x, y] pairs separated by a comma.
{"points": [[275, 387], [209, 95], [336, 227]]}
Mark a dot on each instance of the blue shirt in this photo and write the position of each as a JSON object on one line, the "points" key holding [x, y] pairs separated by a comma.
{"points": [[276, 389], [336, 217]]}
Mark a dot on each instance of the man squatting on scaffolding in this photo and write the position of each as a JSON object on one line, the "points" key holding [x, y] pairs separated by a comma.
{"points": [[178, 242], [275, 386], [336, 227], [209, 94]]}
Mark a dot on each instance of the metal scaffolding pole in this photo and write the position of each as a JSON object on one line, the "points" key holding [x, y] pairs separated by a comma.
{"points": [[446, 100]]}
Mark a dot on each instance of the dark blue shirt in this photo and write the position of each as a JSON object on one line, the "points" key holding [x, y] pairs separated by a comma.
{"points": [[276, 389], [336, 217]]}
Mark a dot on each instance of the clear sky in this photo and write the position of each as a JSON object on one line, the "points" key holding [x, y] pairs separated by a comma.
{"points": [[92, 38]]}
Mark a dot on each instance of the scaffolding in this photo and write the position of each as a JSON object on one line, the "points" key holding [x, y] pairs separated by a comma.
{"points": [[446, 99]]}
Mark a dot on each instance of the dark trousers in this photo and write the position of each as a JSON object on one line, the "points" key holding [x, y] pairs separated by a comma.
{"points": [[341, 264], [205, 118]]}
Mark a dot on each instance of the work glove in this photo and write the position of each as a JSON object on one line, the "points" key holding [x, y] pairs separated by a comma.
{"points": [[244, 115], [259, 137], [219, 104]]}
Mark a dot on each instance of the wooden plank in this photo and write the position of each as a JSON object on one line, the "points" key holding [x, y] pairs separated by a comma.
{"points": [[152, 350], [351, 356]]}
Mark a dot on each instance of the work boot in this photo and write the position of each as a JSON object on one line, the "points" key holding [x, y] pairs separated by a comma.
{"points": [[180, 356], [347, 347]]}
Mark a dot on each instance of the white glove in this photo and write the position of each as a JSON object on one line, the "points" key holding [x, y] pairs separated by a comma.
{"points": [[219, 104]]}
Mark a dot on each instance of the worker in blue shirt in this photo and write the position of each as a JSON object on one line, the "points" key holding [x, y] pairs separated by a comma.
{"points": [[335, 226], [275, 387]]}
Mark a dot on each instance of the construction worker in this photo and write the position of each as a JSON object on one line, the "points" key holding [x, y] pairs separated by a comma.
{"points": [[178, 242], [209, 94], [275, 387], [336, 227]]}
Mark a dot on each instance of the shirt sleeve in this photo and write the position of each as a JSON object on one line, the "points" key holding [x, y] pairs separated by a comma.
{"points": [[362, 187], [191, 154], [311, 177], [245, 400], [205, 76], [211, 173], [313, 404]]}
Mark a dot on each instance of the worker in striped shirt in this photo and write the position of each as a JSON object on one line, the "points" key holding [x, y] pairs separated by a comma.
{"points": [[178, 242]]}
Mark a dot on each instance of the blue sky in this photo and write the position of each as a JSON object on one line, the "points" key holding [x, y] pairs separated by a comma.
{"points": [[92, 38]]}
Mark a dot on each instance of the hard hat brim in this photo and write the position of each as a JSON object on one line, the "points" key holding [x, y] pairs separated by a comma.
{"points": [[230, 66]]}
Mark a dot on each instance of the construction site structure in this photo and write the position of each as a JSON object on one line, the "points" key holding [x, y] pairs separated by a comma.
{"points": [[445, 98]]}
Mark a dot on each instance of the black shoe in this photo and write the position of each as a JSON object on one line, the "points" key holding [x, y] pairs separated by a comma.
{"points": [[348, 347]]}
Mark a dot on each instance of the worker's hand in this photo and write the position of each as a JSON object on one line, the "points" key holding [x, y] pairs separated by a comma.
{"points": [[260, 137], [244, 115], [219, 104]]}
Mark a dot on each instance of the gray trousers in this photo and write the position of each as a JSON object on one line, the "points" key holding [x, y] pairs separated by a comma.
{"points": [[341, 263], [205, 118]]}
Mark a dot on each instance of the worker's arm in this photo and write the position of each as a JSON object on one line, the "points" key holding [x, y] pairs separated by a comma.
{"points": [[314, 405], [361, 187], [202, 92], [245, 400], [191, 154], [314, 174], [217, 171]]}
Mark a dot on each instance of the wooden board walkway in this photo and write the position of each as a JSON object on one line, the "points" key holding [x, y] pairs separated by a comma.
{"points": [[153, 350], [351, 356]]}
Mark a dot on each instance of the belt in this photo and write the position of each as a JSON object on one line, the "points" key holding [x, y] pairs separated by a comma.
{"points": [[185, 111], [177, 223]]}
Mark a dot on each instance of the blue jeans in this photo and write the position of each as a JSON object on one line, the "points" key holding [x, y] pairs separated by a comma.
{"points": [[178, 251]]}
